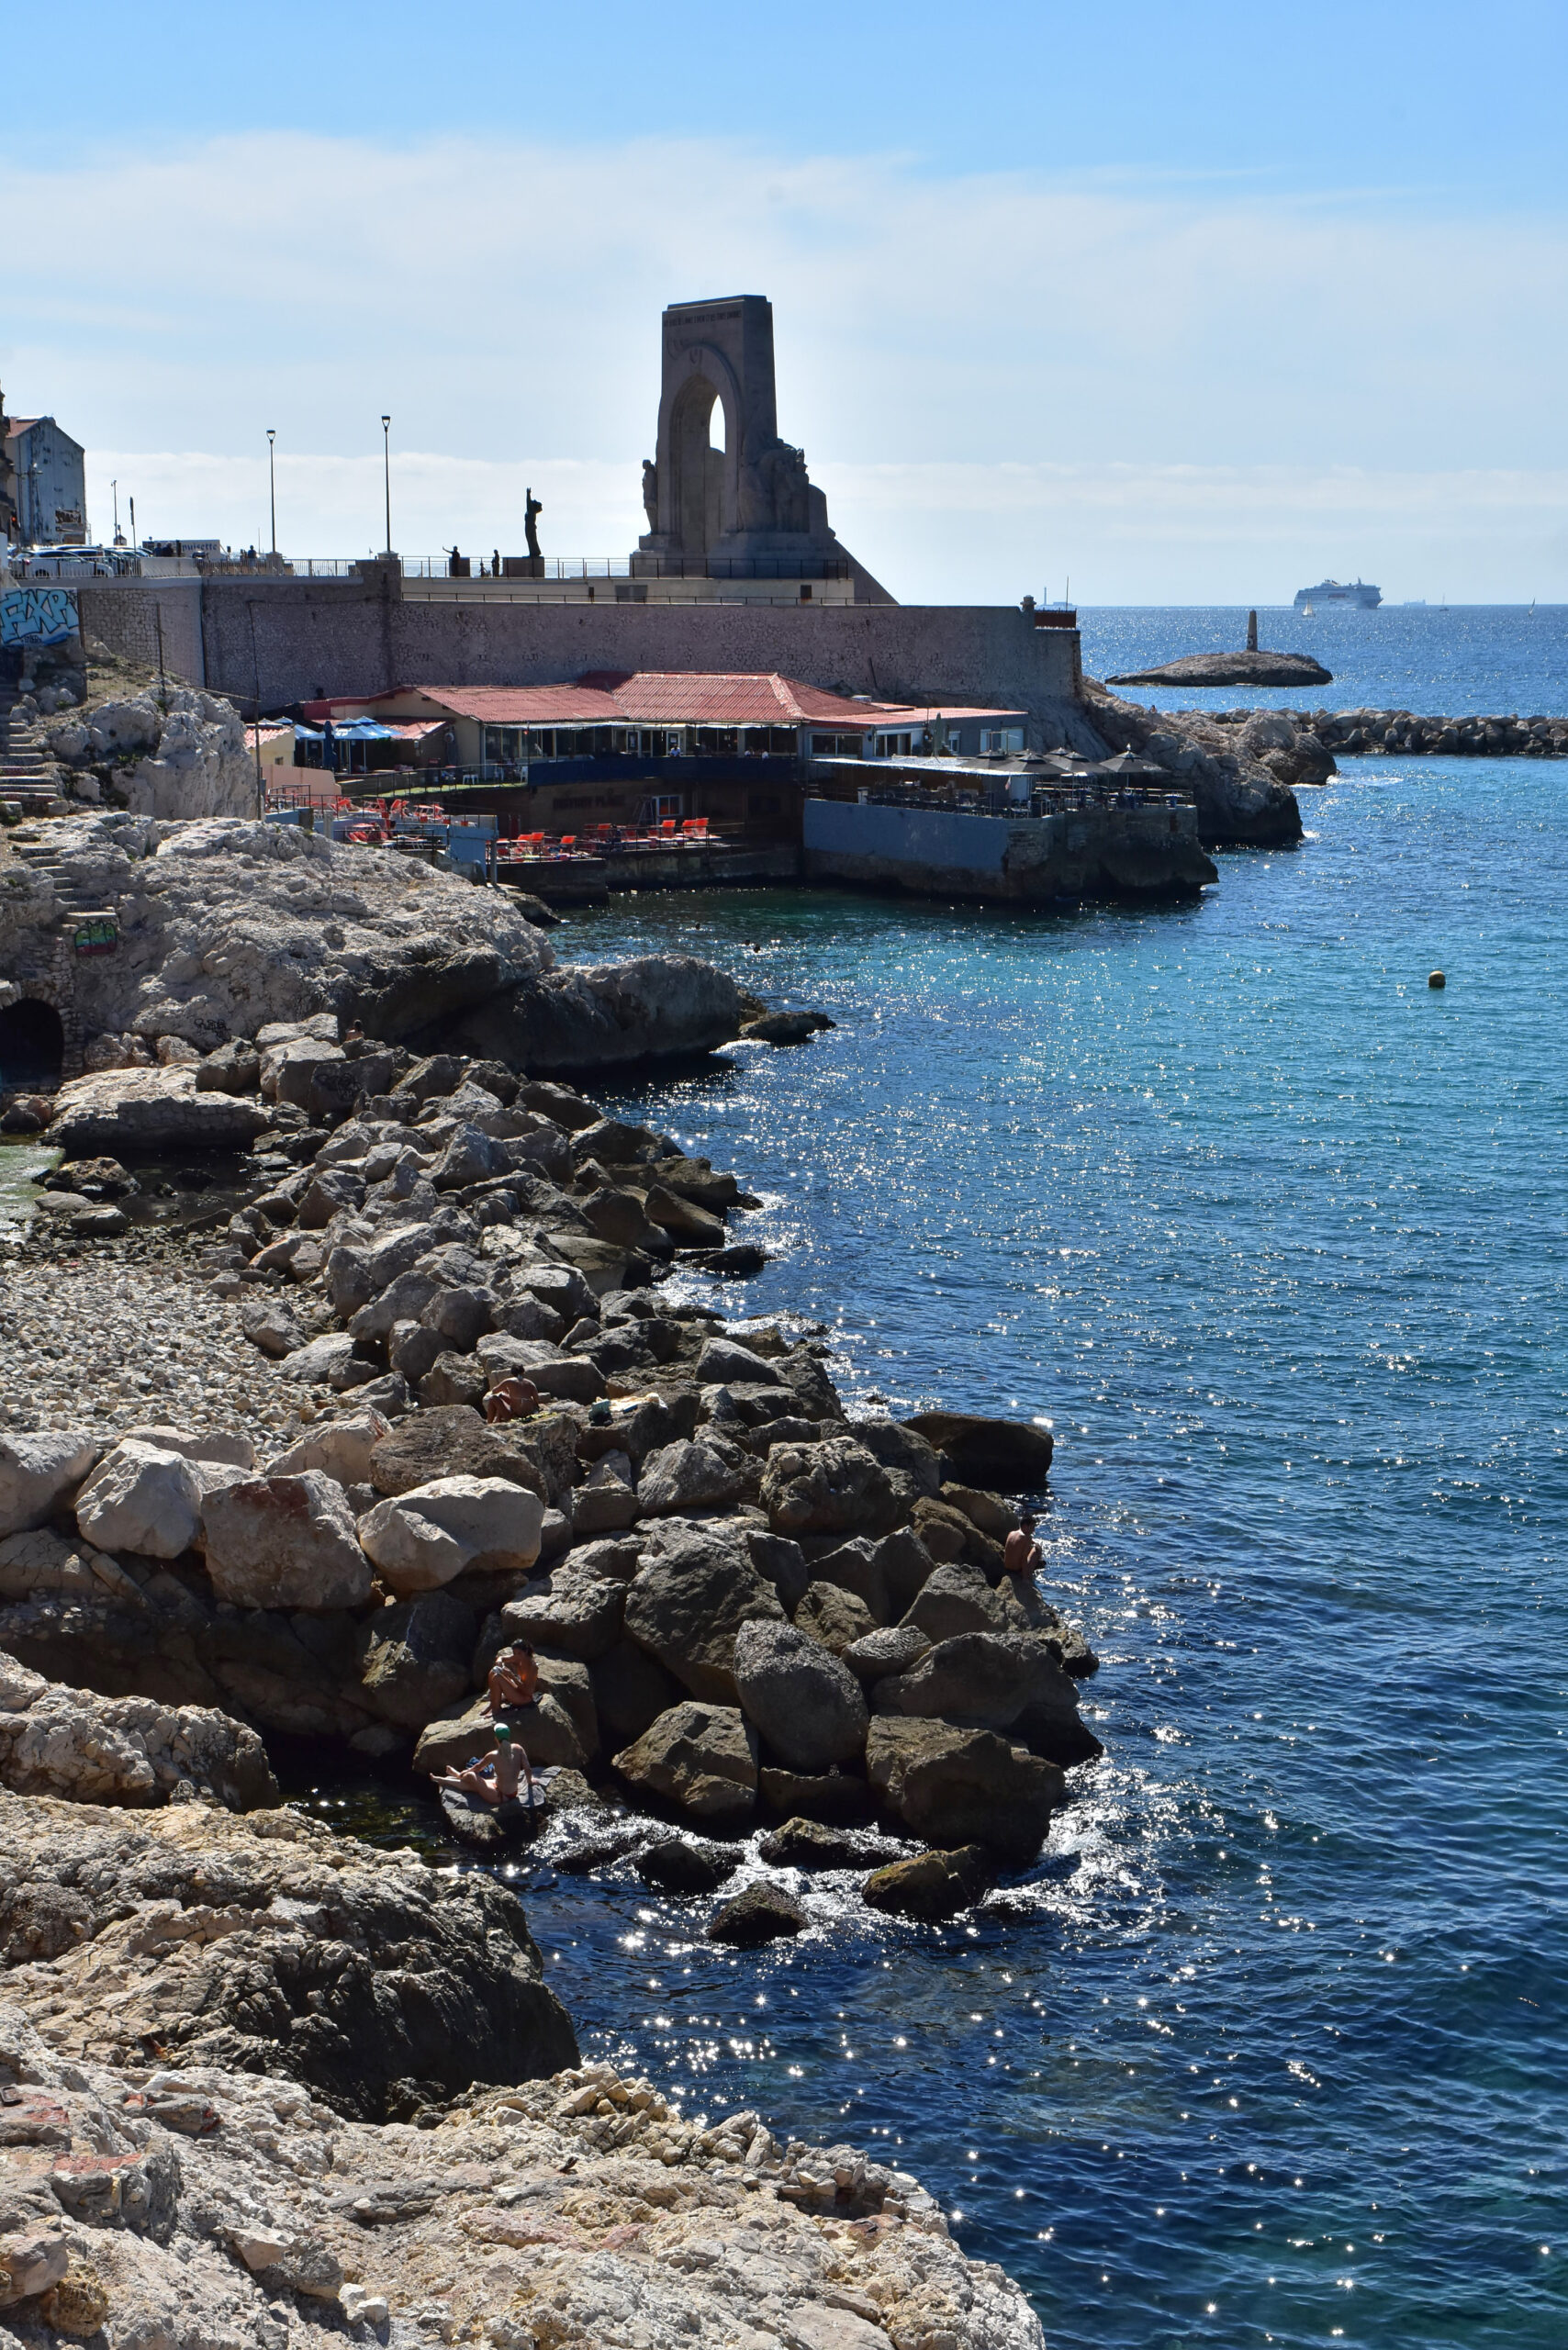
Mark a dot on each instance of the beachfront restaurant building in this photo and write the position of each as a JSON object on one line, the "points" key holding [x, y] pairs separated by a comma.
{"points": [[639, 748]]}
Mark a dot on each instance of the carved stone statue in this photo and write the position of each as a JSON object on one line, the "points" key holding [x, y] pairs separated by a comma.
{"points": [[651, 492], [533, 509]]}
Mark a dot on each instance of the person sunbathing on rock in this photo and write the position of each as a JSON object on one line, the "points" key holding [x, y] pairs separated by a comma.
{"points": [[1021, 1554], [500, 1777], [514, 1678], [511, 1399]]}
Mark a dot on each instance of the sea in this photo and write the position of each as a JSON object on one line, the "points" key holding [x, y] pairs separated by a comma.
{"points": [[1269, 2046]]}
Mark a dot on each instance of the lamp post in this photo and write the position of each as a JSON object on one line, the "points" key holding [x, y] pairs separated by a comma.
{"points": [[272, 481], [387, 473]]}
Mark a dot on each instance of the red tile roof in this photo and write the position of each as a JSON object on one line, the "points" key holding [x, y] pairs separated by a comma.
{"points": [[666, 698]]}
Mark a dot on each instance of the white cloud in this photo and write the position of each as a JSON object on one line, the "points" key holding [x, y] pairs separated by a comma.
{"points": [[998, 379]]}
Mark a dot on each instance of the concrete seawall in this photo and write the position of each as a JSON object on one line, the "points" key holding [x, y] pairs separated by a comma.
{"points": [[1119, 852]]}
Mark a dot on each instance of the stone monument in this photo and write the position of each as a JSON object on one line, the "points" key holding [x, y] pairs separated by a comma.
{"points": [[748, 510]]}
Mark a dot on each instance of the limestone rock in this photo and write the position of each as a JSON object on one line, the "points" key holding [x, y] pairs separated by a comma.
{"points": [[142, 1498], [285, 1542], [414, 1658], [607, 1500], [270, 1324], [838, 1618], [341, 1448], [838, 1798], [996, 1681], [574, 1613], [807, 1707], [894, 1648], [702, 1759], [39, 1473], [133, 1112], [687, 1603], [957, 1598], [762, 1913], [678, 1866], [810, 1844], [833, 1487], [454, 1442], [704, 1474], [963, 1787], [724, 1362], [932, 1885], [269, 1946], [608, 1015], [427, 1536], [87, 1748]]}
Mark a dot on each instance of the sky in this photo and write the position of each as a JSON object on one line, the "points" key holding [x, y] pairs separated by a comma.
{"points": [[1168, 305]]}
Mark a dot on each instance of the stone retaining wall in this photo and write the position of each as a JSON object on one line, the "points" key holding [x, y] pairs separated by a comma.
{"points": [[316, 637]]}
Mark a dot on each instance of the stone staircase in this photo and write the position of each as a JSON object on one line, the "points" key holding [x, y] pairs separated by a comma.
{"points": [[28, 774]]}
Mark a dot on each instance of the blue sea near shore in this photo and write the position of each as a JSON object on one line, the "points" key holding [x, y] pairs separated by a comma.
{"points": [[1436, 660], [1269, 2048]]}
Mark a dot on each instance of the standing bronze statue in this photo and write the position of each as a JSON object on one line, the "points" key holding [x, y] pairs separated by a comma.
{"points": [[531, 512]]}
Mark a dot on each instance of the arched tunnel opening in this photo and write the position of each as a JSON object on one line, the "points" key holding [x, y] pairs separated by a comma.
{"points": [[32, 1048]]}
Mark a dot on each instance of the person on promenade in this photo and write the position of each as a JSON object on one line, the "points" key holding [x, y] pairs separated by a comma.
{"points": [[500, 1777], [1021, 1554], [514, 1678]]}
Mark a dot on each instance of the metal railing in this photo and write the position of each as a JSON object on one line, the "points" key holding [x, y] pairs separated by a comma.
{"points": [[1054, 799]]}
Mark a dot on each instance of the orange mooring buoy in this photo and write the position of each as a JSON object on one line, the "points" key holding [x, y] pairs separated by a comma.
{"points": [[1436, 979]]}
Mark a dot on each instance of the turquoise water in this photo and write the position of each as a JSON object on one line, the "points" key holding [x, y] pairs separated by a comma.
{"points": [[1272, 2049]]}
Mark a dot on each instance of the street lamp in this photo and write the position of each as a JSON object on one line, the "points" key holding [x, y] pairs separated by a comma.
{"points": [[386, 470], [272, 481]]}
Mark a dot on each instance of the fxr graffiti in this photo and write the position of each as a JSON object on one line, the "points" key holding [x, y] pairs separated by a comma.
{"points": [[38, 616]]}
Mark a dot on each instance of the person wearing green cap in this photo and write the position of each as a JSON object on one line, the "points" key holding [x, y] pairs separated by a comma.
{"points": [[500, 1777]]}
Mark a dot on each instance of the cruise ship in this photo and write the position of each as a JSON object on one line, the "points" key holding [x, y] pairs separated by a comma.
{"points": [[1337, 591]]}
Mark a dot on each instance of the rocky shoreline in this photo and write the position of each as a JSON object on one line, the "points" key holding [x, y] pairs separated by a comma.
{"points": [[204, 2141], [775, 1643]]}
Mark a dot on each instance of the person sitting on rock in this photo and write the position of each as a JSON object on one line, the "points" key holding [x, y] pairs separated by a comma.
{"points": [[1021, 1554], [514, 1678], [511, 1399], [500, 1777]]}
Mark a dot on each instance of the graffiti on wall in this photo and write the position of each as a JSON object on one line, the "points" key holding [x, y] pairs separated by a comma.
{"points": [[38, 615]]}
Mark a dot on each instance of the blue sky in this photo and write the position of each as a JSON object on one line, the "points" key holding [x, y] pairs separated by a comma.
{"points": [[1187, 304]]}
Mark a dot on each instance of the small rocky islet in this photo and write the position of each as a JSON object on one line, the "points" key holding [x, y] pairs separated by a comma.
{"points": [[240, 2054]]}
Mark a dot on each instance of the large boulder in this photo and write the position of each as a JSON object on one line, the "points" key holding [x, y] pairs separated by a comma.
{"points": [[996, 1681], [272, 1948], [135, 1751], [687, 1603], [658, 1007], [39, 1473], [1013, 1454], [428, 1536], [341, 1448], [963, 1787], [955, 1598], [285, 1542], [932, 1885], [574, 1612], [144, 1498], [833, 1487], [130, 1112], [809, 1707], [699, 1759], [454, 1442], [704, 1472], [836, 1618], [414, 1658]]}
